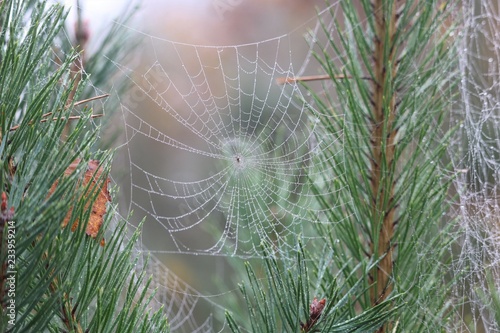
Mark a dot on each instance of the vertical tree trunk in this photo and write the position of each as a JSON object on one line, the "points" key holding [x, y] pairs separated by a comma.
{"points": [[383, 142]]}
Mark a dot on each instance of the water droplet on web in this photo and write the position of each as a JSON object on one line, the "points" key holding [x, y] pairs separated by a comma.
{"points": [[490, 60]]}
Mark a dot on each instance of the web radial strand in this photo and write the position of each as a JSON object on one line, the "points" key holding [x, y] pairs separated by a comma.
{"points": [[233, 149]]}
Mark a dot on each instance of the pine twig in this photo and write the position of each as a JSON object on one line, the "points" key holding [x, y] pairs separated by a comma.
{"points": [[284, 80], [65, 108], [62, 118], [315, 310], [67, 313]]}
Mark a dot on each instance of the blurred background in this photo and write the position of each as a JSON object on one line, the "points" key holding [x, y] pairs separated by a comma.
{"points": [[201, 22]]}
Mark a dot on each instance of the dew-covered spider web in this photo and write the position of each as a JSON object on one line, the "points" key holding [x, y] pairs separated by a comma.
{"points": [[475, 154], [220, 147]]}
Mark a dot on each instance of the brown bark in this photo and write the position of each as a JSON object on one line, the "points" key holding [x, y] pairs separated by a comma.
{"points": [[383, 142]]}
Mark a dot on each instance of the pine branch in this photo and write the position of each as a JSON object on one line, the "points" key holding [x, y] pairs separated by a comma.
{"points": [[93, 116], [392, 148], [315, 310], [383, 135], [285, 80], [280, 302], [64, 279]]}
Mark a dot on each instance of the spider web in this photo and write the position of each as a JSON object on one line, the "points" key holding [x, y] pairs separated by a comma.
{"points": [[219, 161], [255, 143], [475, 153], [220, 158]]}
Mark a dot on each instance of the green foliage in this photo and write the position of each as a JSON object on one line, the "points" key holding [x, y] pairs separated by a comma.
{"points": [[392, 72], [492, 298], [387, 111], [281, 300], [64, 279]]}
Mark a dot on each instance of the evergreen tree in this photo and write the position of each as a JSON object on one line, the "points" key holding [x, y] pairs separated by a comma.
{"points": [[58, 274]]}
